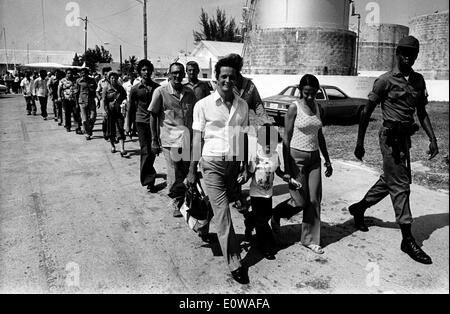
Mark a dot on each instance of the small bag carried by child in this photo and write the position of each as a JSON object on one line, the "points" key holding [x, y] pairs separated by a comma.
{"points": [[196, 210]]}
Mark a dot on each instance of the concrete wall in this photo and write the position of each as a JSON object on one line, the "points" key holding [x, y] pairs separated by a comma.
{"points": [[300, 50], [377, 46], [353, 86], [432, 32]]}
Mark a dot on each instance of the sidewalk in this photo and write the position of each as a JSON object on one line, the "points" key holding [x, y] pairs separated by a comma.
{"points": [[68, 207]]}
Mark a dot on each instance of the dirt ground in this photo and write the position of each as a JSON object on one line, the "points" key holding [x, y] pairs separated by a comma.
{"points": [[74, 219]]}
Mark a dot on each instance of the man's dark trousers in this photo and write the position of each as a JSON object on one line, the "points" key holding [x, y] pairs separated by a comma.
{"points": [[70, 107], [395, 178], [31, 105], [148, 172], [43, 102]]}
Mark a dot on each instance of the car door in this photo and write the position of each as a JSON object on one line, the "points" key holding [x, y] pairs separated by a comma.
{"points": [[338, 105], [322, 102]]}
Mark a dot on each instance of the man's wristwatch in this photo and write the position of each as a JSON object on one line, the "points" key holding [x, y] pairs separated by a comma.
{"points": [[327, 164]]}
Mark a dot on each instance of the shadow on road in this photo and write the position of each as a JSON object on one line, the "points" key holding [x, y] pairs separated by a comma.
{"points": [[423, 228]]}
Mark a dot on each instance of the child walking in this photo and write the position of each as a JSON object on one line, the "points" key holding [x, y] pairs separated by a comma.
{"points": [[263, 168]]}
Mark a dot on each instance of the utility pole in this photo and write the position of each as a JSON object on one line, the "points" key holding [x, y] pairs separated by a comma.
{"points": [[85, 20], [145, 29], [43, 28], [6, 51], [357, 42], [120, 49]]}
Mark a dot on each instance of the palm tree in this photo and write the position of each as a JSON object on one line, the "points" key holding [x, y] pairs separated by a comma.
{"points": [[218, 28], [130, 65]]}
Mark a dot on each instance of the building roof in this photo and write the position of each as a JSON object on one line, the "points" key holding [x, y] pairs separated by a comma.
{"points": [[18, 56], [219, 48], [203, 63]]}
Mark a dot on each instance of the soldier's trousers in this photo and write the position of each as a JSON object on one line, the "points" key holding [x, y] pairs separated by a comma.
{"points": [[395, 179]]}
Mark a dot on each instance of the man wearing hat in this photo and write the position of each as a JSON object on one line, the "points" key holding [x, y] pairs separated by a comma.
{"points": [[401, 92]]}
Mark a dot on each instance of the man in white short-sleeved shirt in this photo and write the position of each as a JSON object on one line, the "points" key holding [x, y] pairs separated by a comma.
{"points": [[222, 119]]}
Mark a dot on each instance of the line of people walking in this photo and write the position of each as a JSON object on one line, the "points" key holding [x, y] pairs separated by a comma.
{"points": [[226, 138]]}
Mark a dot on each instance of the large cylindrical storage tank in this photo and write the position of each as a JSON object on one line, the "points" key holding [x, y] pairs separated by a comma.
{"points": [[299, 36], [377, 46], [432, 32]]}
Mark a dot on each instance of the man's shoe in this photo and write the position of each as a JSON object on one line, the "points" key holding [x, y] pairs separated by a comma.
{"points": [[269, 255], [124, 154], [173, 205], [241, 275], [28, 113], [88, 137], [151, 188], [59, 123], [79, 132], [358, 217], [68, 129], [55, 119], [177, 213], [410, 247], [207, 238], [45, 118]]}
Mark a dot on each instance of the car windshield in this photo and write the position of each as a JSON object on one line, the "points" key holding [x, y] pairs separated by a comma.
{"points": [[319, 96], [288, 91], [334, 94]]}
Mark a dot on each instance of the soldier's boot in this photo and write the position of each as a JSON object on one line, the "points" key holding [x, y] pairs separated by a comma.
{"points": [[410, 247], [357, 211]]}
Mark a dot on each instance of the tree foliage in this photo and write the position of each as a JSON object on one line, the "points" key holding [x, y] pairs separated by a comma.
{"points": [[129, 65], [77, 60], [217, 28], [96, 55]]}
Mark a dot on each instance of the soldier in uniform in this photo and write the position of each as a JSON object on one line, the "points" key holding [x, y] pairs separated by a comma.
{"points": [[401, 92]]}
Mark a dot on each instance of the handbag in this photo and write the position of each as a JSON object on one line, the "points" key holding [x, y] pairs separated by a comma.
{"points": [[196, 210]]}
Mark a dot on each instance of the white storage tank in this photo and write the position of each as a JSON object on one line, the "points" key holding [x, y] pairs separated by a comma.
{"points": [[432, 32]]}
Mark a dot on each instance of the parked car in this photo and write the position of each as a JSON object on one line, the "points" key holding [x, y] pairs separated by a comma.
{"points": [[211, 83], [336, 105], [3, 89]]}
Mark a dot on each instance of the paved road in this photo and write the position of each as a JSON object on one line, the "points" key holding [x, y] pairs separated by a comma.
{"points": [[69, 207]]}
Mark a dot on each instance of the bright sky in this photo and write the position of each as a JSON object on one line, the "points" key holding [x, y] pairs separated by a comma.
{"points": [[120, 22]]}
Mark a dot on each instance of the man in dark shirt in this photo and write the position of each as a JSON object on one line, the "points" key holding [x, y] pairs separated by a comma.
{"points": [[140, 98], [67, 94], [200, 88], [53, 91], [86, 87], [401, 92]]}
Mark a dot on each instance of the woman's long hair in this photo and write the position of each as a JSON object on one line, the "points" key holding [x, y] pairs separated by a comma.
{"points": [[308, 80]]}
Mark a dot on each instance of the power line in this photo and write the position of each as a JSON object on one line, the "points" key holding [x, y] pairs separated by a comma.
{"points": [[95, 33], [112, 34], [121, 39], [117, 13]]}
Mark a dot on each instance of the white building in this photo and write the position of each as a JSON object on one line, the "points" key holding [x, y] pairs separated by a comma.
{"points": [[207, 53]]}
